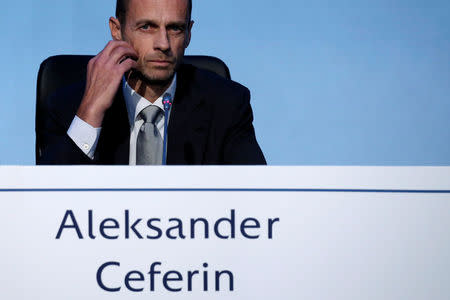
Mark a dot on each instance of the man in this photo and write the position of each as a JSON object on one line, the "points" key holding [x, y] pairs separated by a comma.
{"points": [[119, 118]]}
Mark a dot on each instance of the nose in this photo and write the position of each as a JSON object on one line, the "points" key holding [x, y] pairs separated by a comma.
{"points": [[162, 41]]}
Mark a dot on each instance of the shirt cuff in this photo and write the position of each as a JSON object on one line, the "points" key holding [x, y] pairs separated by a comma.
{"points": [[84, 136]]}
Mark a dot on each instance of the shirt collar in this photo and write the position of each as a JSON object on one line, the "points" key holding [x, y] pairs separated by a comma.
{"points": [[136, 103]]}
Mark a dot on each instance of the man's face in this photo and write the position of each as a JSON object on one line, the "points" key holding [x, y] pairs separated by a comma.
{"points": [[159, 31]]}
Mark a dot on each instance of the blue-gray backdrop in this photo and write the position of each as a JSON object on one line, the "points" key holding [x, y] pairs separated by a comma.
{"points": [[356, 82]]}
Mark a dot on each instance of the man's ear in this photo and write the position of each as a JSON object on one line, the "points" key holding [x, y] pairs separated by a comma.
{"points": [[188, 34], [114, 26]]}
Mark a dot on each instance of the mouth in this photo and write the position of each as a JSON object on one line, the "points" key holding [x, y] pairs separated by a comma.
{"points": [[160, 63]]}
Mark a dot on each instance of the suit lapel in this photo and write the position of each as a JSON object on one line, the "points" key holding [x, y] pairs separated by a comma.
{"points": [[189, 122]]}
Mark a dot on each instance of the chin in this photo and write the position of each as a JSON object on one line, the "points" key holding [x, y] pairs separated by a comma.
{"points": [[158, 76]]}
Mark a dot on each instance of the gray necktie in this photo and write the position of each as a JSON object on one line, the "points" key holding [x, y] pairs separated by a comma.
{"points": [[149, 146]]}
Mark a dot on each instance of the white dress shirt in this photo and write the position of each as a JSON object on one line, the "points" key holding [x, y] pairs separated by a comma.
{"points": [[86, 137]]}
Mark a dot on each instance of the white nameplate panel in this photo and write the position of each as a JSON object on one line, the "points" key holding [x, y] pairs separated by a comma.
{"points": [[225, 232]]}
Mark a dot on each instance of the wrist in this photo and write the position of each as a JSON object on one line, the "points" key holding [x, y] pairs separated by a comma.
{"points": [[91, 114]]}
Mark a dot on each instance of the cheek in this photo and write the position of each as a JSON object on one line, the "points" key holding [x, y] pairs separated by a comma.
{"points": [[139, 45], [179, 45], [143, 49]]}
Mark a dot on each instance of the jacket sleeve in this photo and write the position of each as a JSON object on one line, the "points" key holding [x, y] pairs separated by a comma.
{"points": [[57, 148], [53, 145]]}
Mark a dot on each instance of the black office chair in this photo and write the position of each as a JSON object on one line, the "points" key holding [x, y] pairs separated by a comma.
{"points": [[62, 70]]}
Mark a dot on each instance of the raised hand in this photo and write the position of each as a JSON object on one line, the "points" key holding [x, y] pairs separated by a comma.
{"points": [[104, 74]]}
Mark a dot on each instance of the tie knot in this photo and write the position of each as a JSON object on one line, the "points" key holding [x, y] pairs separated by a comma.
{"points": [[151, 114]]}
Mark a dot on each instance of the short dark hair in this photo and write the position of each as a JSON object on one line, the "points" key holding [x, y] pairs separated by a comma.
{"points": [[122, 6]]}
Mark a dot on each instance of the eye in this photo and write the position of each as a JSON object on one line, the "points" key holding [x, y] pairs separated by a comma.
{"points": [[176, 29], [147, 27]]}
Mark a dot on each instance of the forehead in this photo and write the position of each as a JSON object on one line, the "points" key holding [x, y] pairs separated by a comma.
{"points": [[162, 10]]}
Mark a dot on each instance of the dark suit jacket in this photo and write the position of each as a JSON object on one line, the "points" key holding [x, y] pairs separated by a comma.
{"points": [[210, 123]]}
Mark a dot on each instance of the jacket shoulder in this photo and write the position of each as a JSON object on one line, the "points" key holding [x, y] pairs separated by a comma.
{"points": [[214, 87]]}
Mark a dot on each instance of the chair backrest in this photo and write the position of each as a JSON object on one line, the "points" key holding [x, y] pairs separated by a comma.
{"points": [[62, 70]]}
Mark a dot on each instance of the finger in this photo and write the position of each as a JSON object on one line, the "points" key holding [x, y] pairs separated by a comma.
{"points": [[122, 52], [111, 45], [127, 65], [91, 62]]}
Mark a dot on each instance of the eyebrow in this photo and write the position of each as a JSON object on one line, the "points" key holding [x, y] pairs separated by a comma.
{"points": [[153, 23]]}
